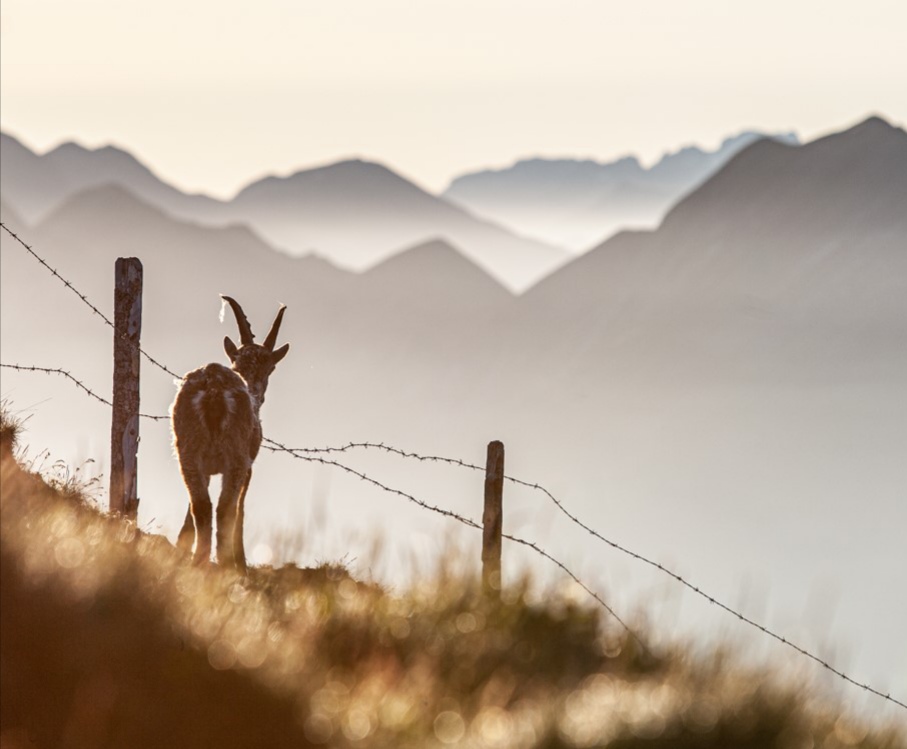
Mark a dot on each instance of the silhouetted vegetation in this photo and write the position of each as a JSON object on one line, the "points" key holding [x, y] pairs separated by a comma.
{"points": [[10, 427], [111, 638]]}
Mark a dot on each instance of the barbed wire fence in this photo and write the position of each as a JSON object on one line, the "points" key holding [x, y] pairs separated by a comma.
{"points": [[276, 447], [316, 455]]}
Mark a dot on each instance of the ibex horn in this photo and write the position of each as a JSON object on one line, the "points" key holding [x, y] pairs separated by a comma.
{"points": [[245, 330], [275, 326]]}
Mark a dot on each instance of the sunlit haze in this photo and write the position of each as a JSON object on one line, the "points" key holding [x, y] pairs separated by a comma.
{"points": [[699, 353], [213, 96]]}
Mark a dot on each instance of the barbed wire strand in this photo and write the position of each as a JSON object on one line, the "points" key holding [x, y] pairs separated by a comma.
{"points": [[678, 578], [84, 298], [78, 383]]}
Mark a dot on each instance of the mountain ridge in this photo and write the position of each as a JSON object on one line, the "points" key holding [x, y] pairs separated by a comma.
{"points": [[870, 156], [805, 231], [578, 203], [299, 213], [435, 259]]}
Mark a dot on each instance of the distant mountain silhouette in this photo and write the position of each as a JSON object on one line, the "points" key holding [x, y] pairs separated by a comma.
{"points": [[37, 184], [855, 180], [356, 213], [577, 203], [359, 212], [28, 185], [435, 270], [772, 254]]}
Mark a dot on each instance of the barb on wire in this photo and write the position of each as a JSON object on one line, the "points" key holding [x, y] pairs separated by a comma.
{"points": [[538, 487], [81, 296], [77, 382]]}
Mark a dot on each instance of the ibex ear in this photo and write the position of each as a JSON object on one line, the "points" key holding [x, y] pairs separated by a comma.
{"points": [[277, 355], [230, 348]]}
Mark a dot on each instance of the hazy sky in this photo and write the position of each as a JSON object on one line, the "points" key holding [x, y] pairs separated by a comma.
{"points": [[213, 94]]}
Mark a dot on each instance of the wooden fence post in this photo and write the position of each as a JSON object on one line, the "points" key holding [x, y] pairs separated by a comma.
{"points": [[124, 433], [492, 518]]}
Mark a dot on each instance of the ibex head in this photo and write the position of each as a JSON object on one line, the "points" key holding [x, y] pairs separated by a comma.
{"points": [[252, 361]]}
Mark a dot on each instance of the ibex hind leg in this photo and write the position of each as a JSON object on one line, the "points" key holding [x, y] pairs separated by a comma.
{"points": [[239, 547], [187, 532], [227, 510], [200, 508]]}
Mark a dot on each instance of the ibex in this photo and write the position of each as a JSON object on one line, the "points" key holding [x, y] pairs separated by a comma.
{"points": [[217, 429]]}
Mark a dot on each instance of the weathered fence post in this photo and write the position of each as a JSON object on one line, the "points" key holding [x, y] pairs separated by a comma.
{"points": [[124, 433], [492, 518]]}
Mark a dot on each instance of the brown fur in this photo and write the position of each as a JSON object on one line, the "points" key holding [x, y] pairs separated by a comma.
{"points": [[217, 430]]}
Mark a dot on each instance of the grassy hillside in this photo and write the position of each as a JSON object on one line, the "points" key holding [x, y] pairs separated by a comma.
{"points": [[110, 638]]}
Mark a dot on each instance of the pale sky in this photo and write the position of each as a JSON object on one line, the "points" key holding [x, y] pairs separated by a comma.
{"points": [[214, 94]]}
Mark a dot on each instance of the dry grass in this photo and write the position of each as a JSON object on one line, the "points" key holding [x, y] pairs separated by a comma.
{"points": [[10, 429], [111, 639]]}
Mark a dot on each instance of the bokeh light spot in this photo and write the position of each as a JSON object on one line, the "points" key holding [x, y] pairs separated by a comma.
{"points": [[449, 727], [262, 554], [221, 655], [318, 728], [70, 553]]}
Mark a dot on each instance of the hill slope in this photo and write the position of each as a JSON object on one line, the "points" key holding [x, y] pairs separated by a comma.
{"points": [[110, 638]]}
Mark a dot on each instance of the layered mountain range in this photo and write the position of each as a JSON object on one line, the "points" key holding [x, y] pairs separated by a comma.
{"points": [[799, 244], [782, 229], [356, 213], [782, 235]]}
